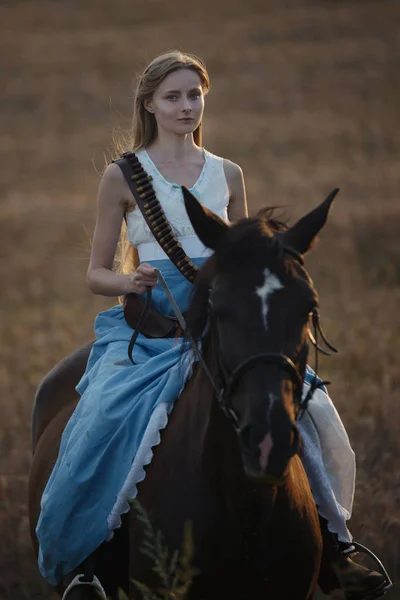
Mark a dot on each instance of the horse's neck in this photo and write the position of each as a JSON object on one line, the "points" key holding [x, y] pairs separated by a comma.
{"points": [[212, 437], [199, 462], [198, 406], [207, 437]]}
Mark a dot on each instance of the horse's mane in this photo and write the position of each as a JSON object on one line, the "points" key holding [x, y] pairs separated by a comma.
{"points": [[275, 223], [248, 238]]}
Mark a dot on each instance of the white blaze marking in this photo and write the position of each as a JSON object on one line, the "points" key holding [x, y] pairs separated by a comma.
{"points": [[267, 444], [265, 449], [271, 284]]}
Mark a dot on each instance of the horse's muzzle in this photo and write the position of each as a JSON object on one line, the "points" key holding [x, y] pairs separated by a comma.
{"points": [[267, 461]]}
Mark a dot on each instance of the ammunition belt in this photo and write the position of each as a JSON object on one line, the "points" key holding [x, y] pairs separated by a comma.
{"points": [[143, 191]]}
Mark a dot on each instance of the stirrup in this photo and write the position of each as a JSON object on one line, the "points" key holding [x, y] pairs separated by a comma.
{"points": [[77, 582], [386, 586]]}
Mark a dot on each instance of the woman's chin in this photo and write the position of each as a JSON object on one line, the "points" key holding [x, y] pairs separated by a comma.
{"points": [[185, 127]]}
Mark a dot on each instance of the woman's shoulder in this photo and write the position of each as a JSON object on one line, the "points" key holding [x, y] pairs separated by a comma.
{"points": [[113, 180], [232, 170], [234, 182], [112, 173]]}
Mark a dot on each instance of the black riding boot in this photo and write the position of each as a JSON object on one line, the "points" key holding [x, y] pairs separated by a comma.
{"points": [[339, 572]]}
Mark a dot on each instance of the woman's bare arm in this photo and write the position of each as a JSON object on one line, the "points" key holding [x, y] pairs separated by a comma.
{"points": [[237, 208], [112, 201]]}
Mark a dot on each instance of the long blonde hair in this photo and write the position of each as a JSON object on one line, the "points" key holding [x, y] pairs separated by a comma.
{"points": [[144, 125]]}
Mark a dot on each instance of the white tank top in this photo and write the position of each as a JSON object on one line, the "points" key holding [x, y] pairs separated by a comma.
{"points": [[211, 189]]}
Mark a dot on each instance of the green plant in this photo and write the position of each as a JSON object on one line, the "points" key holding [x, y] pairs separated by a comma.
{"points": [[175, 572]]}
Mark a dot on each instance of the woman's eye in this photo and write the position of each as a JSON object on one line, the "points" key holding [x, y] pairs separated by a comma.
{"points": [[172, 97], [195, 95]]}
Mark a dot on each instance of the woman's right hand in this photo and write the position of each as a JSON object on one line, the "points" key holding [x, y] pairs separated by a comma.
{"points": [[144, 276]]}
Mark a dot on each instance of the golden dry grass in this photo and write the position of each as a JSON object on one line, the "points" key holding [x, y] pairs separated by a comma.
{"points": [[305, 97]]}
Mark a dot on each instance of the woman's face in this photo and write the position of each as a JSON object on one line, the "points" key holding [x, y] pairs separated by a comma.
{"points": [[178, 102]]}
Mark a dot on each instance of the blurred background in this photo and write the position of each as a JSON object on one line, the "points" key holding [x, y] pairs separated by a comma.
{"points": [[305, 97]]}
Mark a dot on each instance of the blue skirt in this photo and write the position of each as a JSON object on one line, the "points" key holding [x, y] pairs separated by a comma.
{"points": [[104, 434]]}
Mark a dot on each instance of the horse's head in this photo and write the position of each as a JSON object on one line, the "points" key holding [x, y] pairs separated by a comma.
{"points": [[256, 296]]}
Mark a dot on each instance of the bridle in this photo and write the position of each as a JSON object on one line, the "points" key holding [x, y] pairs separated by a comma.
{"points": [[225, 381]]}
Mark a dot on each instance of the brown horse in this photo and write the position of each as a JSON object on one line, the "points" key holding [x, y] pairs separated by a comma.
{"points": [[229, 458]]}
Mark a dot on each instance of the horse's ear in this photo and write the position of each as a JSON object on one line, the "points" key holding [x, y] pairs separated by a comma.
{"points": [[208, 226], [301, 236]]}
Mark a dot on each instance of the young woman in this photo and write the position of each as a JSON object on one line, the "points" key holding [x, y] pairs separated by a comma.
{"points": [[106, 442]]}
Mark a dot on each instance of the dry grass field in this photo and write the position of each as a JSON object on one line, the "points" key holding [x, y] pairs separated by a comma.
{"points": [[305, 97]]}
